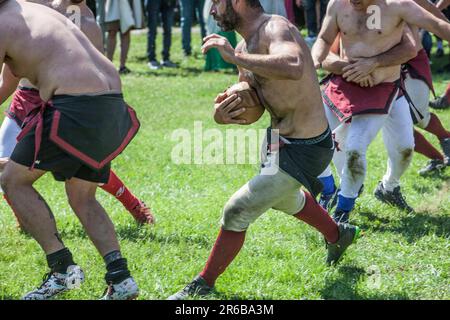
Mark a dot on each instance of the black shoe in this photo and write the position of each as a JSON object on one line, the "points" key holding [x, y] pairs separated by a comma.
{"points": [[393, 198], [325, 199], [433, 166], [198, 287], [348, 234], [124, 70], [440, 103], [341, 216], [168, 64], [445, 144]]}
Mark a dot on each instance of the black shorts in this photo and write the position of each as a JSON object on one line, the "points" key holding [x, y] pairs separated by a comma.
{"points": [[51, 158]]}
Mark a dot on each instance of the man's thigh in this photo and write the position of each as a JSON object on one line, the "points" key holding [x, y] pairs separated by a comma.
{"points": [[398, 129], [419, 93], [8, 134], [362, 130]]}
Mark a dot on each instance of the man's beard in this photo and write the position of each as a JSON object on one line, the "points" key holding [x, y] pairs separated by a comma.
{"points": [[229, 20]]}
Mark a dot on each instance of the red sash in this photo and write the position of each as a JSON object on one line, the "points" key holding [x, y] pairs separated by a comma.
{"points": [[419, 68], [24, 101]]}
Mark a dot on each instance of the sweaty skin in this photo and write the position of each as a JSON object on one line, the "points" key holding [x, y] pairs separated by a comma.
{"points": [[87, 23], [274, 58], [39, 56], [349, 17]]}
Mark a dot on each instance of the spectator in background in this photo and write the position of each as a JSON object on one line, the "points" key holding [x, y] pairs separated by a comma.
{"points": [[188, 9], [214, 61], [274, 7], [289, 5], [313, 20], [120, 17], [154, 8]]}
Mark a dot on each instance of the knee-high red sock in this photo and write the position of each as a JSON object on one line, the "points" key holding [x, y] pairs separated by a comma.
{"points": [[435, 127], [422, 146], [117, 188], [317, 217], [226, 248]]}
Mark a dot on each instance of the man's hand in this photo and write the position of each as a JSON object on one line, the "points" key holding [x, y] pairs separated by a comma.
{"points": [[366, 81], [358, 70], [220, 43], [224, 112]]}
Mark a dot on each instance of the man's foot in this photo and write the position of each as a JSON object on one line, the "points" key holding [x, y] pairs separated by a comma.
{"points": [[394, 198], [125, 290], [445, 144], [142, 214], [433, 166], [325, 199], [56, 283], [168, 64], [198, 287], [124, 70], [348, 234], [341, 216], [154, 65], [440, 103]]}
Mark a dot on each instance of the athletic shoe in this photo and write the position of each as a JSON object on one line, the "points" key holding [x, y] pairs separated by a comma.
{"points": [[445, 144], [341, 216], [433, 166], [348, 234], [125, 290], [168, 64], [198, 287], [325, 199], [142, 214], [154, 65], [440, 103], [394, 198], [56, 283]]}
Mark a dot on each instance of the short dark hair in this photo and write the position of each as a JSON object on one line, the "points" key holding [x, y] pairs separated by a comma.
{"points": [[254, 3]]}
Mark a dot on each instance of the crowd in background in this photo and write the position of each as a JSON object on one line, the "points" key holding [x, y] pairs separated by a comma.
{"points": [[118, 17]]}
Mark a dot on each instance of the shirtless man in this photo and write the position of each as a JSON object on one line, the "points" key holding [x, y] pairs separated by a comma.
{"points": [[26, 98], [274, 59], [375, 108], [82, 126]]}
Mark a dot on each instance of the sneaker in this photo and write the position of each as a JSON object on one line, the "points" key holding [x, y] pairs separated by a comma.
{"points": [[154, 65], [445, 145], [142, 214], [125, 290], [124, 70], [433, 166], [440, 103], [393, 198], [56, 283], [341, 216], [348, 234], [168, 64], [198, 287]]}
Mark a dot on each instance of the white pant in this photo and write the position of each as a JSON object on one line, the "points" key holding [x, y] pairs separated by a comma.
{"points": [[354, 138], [419, 93], [8, 134]]}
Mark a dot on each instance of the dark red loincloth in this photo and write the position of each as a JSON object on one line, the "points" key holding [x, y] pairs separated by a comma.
{"points": [[347, 99], [24, 101], [419, 68]]}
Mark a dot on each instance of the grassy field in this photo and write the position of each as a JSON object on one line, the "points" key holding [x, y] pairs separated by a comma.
{"points": [[402, 256]]}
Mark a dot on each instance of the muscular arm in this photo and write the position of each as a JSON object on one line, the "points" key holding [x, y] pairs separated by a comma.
{"points": [[414, 14], [327, 35], [431, 8], [8, 83]]}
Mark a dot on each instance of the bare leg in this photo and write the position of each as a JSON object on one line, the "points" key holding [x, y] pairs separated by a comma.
{"points": [[32, 210], [92, 216], [125, 40], [111, 44]]}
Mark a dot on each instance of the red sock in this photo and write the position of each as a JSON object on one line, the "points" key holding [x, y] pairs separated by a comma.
{"points": [[436, 128], [226, 248], [116, 188], [317, 217], [422, 146]]}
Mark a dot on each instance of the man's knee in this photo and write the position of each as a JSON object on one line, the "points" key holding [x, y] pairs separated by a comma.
{"points": [[423, 123], [355, 163], [406, 155], [236, 217], [81, 202]]}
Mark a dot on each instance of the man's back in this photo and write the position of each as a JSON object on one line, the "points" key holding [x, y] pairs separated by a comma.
{"points": [[54, 55]]}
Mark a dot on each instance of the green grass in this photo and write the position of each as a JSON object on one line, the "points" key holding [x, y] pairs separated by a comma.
{"points": [[282, 258]]}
